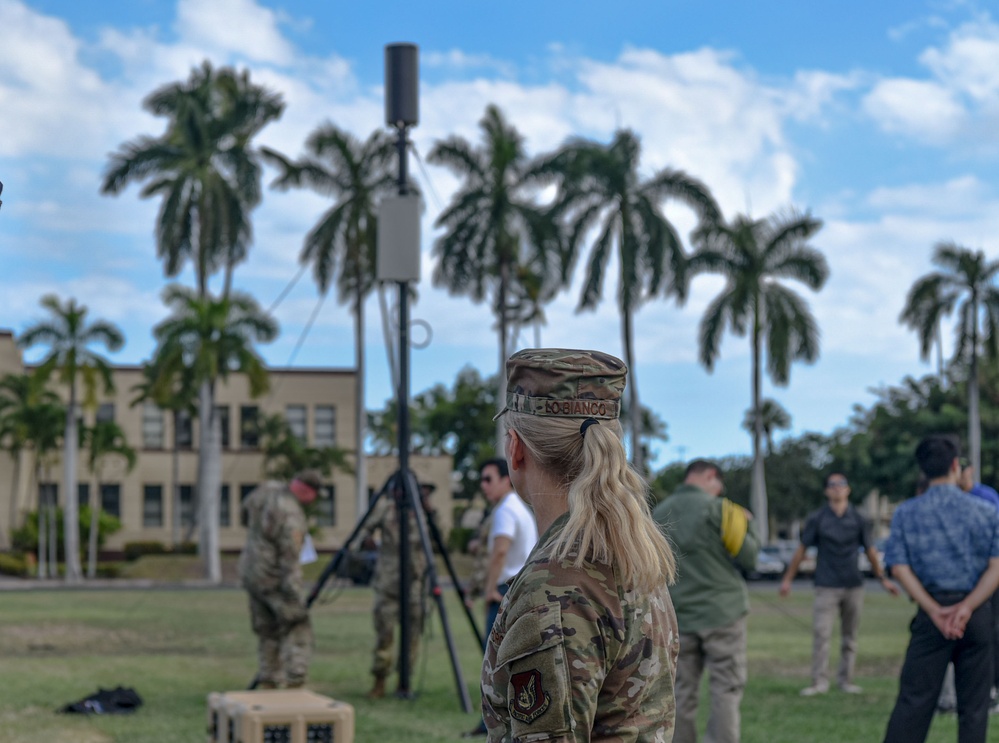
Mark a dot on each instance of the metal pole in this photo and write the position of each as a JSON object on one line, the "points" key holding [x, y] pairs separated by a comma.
{"points": [[405, 568]]}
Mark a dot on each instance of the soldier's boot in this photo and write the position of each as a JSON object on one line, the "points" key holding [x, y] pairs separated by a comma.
{"points": [[266, 685], [378, 690], [295, 684]]}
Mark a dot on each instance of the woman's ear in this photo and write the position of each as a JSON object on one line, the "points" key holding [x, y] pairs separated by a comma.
{"points": [[514, 450]]}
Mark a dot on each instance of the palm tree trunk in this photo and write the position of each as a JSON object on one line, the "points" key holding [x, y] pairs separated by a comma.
{"points": [[53, 523], [210, 476], [95, 517], [758, 489], [15, 485], [43, 568], [360, 459], [71, 533], [175, 482], [504, 353], [634, 411]]}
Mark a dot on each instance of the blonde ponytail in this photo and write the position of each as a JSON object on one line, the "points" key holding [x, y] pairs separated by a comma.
{"points": [[609, 516]]}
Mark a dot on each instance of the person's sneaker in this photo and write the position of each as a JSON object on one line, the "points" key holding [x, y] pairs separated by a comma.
{"points": [[850, 689], [994, 707], [814, 690]]}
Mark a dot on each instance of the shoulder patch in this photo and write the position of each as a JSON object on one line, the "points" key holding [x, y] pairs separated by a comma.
{"points": [[530, 700]]}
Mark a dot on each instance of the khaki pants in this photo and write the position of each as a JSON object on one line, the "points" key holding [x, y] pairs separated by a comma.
{"points": [[847, 603], [723, 652]]}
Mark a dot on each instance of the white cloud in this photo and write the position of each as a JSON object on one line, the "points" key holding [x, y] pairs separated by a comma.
{"points": [[240, 27], [957, 103], [925, 110]]}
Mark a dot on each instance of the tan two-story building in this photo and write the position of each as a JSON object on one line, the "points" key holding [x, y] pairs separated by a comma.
{"points": [[318, 404]]}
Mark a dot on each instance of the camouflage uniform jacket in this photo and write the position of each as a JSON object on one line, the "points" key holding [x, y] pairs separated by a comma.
{"points": [[276, 528], [575, 656], [385, 519], [480, 566]]}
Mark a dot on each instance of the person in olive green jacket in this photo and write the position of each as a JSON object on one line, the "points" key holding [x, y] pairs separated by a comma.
{"points": [[713, 538]]}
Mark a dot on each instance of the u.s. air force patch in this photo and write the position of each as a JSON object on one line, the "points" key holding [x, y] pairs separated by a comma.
{"points": [[529, 700]]}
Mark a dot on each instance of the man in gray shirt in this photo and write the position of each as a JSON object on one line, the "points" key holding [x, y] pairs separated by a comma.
{"points": [[838, 532]]}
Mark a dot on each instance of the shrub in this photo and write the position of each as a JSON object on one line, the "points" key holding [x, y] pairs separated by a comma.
{"points": [[185, 548], [25, 539], [459, 538], [13, 565], [135, 550]]}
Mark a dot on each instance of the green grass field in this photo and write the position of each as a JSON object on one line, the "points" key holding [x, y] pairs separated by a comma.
{"points": [[176, 646]]}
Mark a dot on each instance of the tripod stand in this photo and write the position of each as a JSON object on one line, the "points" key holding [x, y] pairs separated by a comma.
{"points": [[405, 489]]}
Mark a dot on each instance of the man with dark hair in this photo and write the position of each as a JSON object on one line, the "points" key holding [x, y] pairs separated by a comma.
{"points": [[837, 531], [711, 537], [944, 550]]}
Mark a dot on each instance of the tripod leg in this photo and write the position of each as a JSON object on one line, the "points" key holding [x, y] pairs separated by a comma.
{"points": [[436, 534], [411, 490]]}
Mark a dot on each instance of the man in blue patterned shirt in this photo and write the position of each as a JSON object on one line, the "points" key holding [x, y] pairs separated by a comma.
{"points": [[944, 550]]}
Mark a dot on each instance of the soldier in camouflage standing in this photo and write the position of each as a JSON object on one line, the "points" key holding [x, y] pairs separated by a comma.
{"points": [[585, 644], [385, 519], [270, 571]]}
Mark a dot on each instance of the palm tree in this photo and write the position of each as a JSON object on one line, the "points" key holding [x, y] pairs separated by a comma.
{"points": [[170, 386], [213, 337], [46, 427], [775, 418], [23, 400], [966, 283], [754, 256], [343, 243], [492, 227], [600, 189], [69, 337], [103, 440], [208, 175], [204, 168]]}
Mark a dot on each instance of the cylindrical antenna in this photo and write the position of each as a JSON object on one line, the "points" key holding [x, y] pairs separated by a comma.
{"points": [[402, 79]]}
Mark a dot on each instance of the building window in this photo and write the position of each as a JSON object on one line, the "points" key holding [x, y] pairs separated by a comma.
{"points": [[224, 519], [244, 492], [105, 412], [152, 505], [152, 426], [249, 426], [326, 508], [222, 413], [82, 494], [184, 435], [111, 499], [325, 425], [297, 422], [186, 505], [48, 493]]}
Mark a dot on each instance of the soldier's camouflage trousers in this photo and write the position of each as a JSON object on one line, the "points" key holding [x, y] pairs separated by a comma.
{"points": [[285, 640], [386, 620]]}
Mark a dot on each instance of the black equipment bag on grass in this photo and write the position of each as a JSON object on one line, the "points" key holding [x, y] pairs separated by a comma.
{"points": [[107, 702]]}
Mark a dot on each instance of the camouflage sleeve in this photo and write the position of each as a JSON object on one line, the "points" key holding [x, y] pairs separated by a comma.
{"points": [[534, 664], [290, 535], [374, 520]]}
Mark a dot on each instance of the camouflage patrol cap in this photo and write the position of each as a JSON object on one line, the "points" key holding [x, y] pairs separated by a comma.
{"points": [[564, 383]]}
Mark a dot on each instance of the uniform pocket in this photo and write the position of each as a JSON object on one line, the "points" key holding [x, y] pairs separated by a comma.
{"points": [[531, 664]]}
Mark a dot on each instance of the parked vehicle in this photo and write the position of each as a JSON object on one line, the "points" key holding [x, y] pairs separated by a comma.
{"points": [[768, 566]]}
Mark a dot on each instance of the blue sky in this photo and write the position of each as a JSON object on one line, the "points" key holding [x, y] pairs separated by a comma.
{"points": [[879, 118]]}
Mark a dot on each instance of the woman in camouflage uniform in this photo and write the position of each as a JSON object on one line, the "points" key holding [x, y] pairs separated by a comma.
{"points": [[585, 646]]}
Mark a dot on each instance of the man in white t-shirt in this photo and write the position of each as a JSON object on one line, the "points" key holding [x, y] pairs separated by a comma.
{"points": [[512, 536]]}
